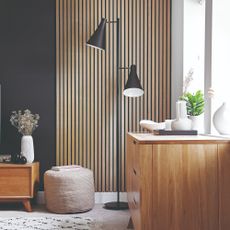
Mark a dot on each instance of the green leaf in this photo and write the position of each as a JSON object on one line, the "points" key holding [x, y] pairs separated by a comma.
{"points": [[194, 102]]}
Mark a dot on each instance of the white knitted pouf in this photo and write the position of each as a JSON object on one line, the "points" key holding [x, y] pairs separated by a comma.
{"points": [[69, 190]]}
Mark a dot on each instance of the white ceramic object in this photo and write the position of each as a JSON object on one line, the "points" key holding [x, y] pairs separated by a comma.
{"points": [[197, 123], [182, 122], [152, 125], [168, 124], [27, 148], [221, 119]]}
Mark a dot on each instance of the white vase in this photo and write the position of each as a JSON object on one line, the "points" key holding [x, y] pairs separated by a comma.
{"points": [[221, 119], [182, 122], [197, 123], [27, 148]]}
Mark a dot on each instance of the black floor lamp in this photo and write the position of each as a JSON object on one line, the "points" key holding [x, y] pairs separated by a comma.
{"points": [[132, 89]]}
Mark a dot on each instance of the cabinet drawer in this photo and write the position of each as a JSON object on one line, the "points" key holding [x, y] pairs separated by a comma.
{"points": [[15, 182], [136, 187], [133, 188], [136, 160], [135, 212]]}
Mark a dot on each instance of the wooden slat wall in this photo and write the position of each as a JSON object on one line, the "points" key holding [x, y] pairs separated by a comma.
{"points": [[86, 80]]}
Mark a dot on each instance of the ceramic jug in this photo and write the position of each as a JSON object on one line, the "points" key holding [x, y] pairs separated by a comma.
{"points": [[221, 119], [182, 122]]}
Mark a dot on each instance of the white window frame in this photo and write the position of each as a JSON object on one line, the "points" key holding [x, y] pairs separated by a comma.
{"points": [[208, 63]]}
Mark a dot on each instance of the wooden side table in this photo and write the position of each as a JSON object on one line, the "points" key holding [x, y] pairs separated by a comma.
{"points": [[178, 182], [19, 183]]}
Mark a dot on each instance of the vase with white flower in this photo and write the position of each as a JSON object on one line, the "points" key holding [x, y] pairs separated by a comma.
{"points": [[26, 123]]}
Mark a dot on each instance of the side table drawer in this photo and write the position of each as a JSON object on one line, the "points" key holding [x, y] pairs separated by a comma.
{"points": [[15, 182], [134, 207]]}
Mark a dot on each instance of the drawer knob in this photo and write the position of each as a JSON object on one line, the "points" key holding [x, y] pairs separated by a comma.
{"points": [[134, 171], [134, 142]]}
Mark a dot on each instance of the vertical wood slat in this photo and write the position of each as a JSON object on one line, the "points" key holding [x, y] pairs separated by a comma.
{"points": [[157, 62], [60, 89], [76, 76], [64, 84], [168, 64], [69, 88], [80, 101], [86, 80], [73, 33]]}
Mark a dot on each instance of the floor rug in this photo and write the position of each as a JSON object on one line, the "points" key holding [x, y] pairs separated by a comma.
{"points": [[49, 223]]}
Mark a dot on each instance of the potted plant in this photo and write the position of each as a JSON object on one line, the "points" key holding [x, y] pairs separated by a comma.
{"points": [[195, 109], [26, 123]]}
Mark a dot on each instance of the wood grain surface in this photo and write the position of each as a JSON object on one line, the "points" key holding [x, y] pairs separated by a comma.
{"points": [[19, 183], [86, 80], [179, 185]]}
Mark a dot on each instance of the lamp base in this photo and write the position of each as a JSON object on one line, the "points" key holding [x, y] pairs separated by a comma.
{"points": [[116, 205]]}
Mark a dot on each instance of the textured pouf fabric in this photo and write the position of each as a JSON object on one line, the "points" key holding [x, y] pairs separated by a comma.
{"points": [[69, 190]]}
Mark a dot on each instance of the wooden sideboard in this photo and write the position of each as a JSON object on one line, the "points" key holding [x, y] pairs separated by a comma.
{"points": [[178, 182], [19, 183]]}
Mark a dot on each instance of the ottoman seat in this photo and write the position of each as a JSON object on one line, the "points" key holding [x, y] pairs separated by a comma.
{"points": [[69, 190]]}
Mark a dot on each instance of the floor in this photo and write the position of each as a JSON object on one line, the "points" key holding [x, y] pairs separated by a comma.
{"points": [[111, 220]]}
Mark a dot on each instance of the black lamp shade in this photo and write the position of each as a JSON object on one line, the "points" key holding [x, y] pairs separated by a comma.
{"points": [[98, 39], [133, 86]]}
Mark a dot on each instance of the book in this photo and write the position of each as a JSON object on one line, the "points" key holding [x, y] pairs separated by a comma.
{"points": [[175, 132]]}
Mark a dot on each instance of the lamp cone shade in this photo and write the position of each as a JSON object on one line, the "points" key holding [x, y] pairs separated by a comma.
{"points": [[98, 39], [133, 86]]}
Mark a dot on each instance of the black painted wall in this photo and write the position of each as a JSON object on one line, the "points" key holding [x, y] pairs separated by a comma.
{"points": [[27, 73]]}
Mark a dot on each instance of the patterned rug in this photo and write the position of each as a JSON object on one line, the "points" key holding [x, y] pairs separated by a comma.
{"points": [[49, 223]]}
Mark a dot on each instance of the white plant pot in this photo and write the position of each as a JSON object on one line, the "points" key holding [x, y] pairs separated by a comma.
{"points": [[221, 119], [197, 123], [182, 122], [27, 148]]}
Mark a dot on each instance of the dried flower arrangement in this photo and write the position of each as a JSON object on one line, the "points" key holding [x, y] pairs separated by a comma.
{"points": [[194, 101], [25, 123], [188, 80]]}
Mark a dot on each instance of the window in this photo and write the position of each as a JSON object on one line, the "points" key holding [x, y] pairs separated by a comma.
{"points": [[194, 41], [220, 53]]}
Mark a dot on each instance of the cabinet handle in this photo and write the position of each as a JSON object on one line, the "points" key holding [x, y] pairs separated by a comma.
{"points": [[134, 142], [134, 171]]}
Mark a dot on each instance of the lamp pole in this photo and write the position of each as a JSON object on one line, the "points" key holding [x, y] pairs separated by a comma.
{"points": [[118, 111], [133, 88], [117, 205]]}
